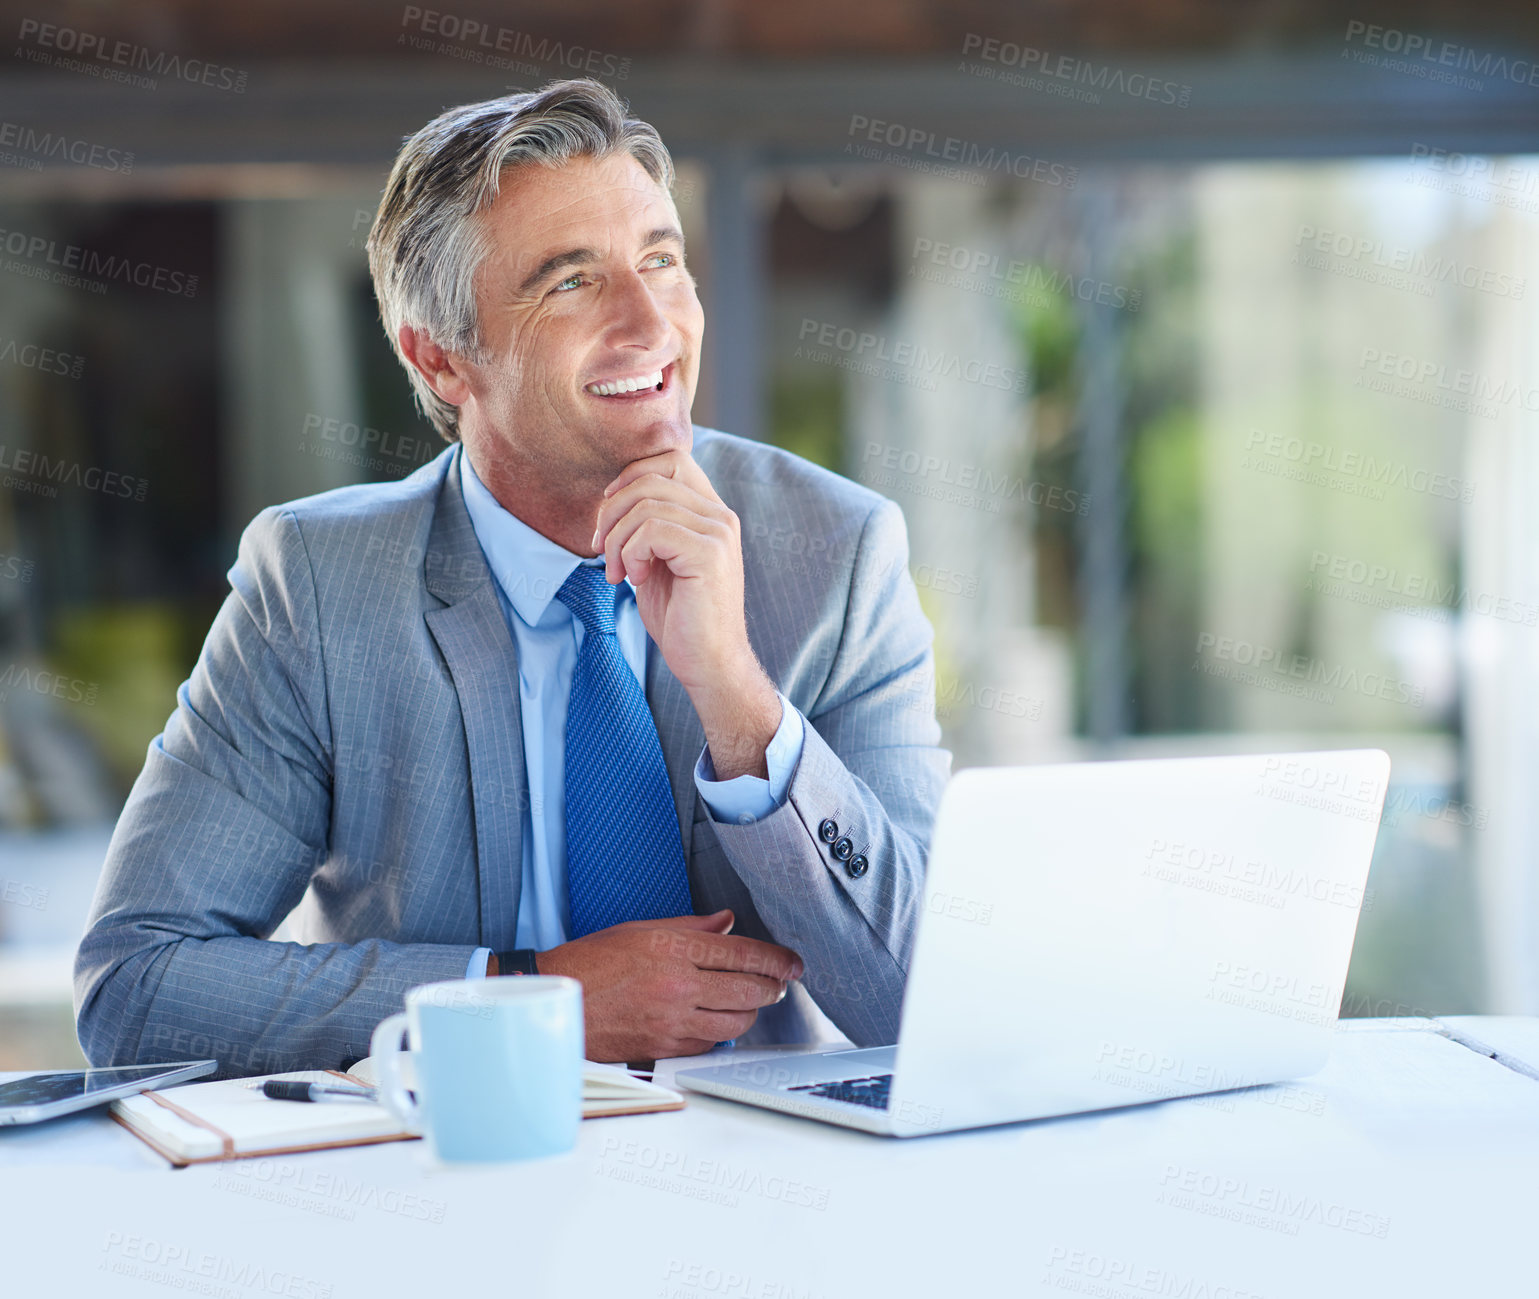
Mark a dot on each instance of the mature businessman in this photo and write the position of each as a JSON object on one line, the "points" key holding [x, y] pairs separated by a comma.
{"points": [[570, 699]]}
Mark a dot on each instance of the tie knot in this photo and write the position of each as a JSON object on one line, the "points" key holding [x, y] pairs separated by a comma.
{"points": [[587, 593]]}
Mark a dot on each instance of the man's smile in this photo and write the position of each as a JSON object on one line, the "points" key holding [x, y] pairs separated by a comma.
{"points": [[638, 386]]}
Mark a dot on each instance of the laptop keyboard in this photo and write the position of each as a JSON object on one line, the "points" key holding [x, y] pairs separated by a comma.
{"points": [[874, 1091]]}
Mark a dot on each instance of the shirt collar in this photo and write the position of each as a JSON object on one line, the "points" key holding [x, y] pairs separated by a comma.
{"points": [[529, 568]]}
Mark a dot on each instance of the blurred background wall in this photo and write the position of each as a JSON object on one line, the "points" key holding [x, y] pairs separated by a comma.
{"points": [[1195, 339]]}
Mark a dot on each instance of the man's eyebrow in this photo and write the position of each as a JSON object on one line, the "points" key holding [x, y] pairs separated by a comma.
{"points": [[582, 256], [664, 235]]}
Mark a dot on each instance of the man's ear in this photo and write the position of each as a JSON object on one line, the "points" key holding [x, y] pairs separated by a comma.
{"points": [[442, 370]]}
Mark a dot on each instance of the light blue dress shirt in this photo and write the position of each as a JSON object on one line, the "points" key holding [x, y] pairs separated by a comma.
{"points": [[529, 569]]}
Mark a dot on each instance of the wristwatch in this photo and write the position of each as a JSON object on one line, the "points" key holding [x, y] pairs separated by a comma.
{"points": [[516, 962]]}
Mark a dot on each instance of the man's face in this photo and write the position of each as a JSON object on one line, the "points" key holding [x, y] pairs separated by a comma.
{"points": [[584, 290]]}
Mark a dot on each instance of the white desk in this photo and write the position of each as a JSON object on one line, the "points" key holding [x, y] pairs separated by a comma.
{"points": [[1408, 1168]]}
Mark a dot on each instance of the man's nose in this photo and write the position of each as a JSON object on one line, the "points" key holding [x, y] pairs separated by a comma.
{"points": [[637, 320]]}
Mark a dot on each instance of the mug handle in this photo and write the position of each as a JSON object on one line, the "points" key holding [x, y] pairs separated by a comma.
{"points": [[385, 1047]]}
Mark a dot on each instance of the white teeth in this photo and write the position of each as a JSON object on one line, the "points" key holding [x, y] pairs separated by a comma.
{"points": [[626, 385]]}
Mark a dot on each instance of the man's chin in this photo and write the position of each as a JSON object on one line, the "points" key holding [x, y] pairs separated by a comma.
{"points": [[672, 434]]}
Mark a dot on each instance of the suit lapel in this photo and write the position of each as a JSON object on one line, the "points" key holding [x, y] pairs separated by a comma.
{"points": [[483, 661]]}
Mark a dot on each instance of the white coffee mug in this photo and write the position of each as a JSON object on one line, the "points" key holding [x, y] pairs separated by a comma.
{"points": [[497, 1062]]}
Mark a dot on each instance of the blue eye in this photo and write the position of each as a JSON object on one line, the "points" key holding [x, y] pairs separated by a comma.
{"points": [[575, 280]]}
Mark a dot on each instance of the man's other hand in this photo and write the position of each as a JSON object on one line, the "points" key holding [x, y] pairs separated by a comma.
{"points": [[658, 988]]}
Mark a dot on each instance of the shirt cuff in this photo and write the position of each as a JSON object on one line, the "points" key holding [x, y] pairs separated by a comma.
{"points": [[478, 959], [745, 799]]}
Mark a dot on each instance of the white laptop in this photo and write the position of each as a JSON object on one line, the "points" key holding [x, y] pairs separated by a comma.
{"points": [[1106, 934]]}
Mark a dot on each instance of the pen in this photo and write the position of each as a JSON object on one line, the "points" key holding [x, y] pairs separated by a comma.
{"points": [[302, 1091]]}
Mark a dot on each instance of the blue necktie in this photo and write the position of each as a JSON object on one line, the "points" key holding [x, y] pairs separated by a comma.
{"points": [[623, 856]]}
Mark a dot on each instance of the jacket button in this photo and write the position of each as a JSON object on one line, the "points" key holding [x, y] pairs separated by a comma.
{"points": [[828, 831], [856, 866], [843, 849]]}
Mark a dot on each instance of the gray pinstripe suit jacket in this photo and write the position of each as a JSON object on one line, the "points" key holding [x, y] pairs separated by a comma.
{"points": [[348, 743]]}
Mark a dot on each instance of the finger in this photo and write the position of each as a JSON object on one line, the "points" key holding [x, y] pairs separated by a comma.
{"points": [[651, 487], [719, 922], [622, 529], [723, 991], [711, 923], [717, 1025], [661, 487], [747, 956], [685, 543], [670, 464]]}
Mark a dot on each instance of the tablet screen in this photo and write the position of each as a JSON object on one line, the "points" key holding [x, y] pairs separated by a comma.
{"points": [[44, 1089]]}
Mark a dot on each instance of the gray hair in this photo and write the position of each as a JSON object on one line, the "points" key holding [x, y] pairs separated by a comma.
{"points": [[426, 245]]}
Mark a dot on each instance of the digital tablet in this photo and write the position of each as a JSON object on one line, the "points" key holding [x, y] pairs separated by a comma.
{"points": [[42, 1096]]}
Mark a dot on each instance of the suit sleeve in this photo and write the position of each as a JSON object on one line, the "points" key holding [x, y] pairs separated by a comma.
{"points": [[871, 765], [217, 843]]}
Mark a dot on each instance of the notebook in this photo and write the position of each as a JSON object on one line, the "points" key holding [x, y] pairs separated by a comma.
{"points": [[211, 1121]]}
